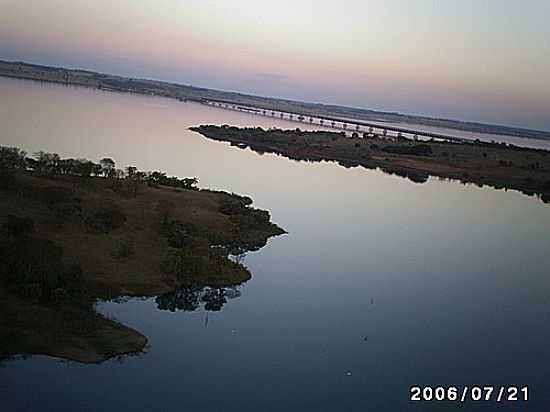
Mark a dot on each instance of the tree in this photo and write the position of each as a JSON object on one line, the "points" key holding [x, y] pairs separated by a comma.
{"points": [[47, 163], [67, 166], [131, 171], [189, 183], [84, 167], [97, 169], [108, 167], [133, 177], [12, 158]]}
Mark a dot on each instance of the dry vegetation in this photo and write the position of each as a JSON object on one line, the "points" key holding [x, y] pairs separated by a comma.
{"points": [[69, 239], [499, 165]]}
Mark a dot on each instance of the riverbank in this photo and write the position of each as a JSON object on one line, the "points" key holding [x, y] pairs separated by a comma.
{"points": [[182, 92], [74, 231], [498, 165]]}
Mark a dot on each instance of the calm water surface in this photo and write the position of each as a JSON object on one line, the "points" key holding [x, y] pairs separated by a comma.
{"points": [[486, 137], [380, 284]]}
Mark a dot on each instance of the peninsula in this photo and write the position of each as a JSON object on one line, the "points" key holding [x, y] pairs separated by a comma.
{"points": [[499, 165], [73, 232]]}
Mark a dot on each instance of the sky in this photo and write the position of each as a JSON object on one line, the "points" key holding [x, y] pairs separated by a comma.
{"points": [[477, 60]]}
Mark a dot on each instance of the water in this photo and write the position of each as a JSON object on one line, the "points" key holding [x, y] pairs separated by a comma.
{"points": [[380, 284], [486, 137], [446, 131]]}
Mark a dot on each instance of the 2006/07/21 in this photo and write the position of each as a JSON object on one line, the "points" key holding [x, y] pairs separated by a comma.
{"points": [[467, 393]]}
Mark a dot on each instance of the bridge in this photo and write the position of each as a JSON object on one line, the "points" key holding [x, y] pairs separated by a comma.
{"points": [[349, 125]]}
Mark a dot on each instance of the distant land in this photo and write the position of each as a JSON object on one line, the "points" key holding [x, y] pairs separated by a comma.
{"points": [[499, 165], [182, 92]]}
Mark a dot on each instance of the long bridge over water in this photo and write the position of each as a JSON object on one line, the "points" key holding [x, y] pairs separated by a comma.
{"points": [[349, 125]]}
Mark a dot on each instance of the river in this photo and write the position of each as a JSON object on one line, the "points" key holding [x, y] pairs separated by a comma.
{"points": [[380, 284]]}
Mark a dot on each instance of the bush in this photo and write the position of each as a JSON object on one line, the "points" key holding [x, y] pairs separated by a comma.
{"points": [[234, 204], [415, 150], [106, 219], [505, 163], [180, 234], [17, 226], [33, 269], [29, 261], [124, 249], [56, 195], [190, 261], [7, 181]]}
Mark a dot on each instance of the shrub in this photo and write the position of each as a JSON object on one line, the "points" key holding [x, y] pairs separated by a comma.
{"points": [[192, 260], [17, 226], [7, 181], [29, 261], [180, 234], [415, 150], [106, 219], [124, 249], [55, 195]]}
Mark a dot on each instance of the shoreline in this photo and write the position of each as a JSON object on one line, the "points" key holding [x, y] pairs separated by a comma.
{"points": [[83, 233], [497, 165], [182, 92]]}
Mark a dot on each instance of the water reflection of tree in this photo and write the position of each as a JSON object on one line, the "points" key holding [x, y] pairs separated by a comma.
{"points": [[191, 298]]}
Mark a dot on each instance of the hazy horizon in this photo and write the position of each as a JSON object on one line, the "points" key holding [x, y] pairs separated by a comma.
{"points": [[485, 62]]}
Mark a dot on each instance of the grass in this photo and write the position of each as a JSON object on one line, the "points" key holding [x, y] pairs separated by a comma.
{"points": [[117, 237]]}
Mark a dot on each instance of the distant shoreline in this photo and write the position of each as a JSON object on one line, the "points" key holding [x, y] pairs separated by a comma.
{"points": [[102, 81], [498, 165]]}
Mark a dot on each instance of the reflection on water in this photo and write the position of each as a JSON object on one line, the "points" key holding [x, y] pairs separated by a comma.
{"points": [[449, 283], [189, 299], [487, 137]]}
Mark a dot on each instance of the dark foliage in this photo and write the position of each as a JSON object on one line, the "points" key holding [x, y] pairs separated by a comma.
{"points": [[157, 178], [32, 268], [180, 235], [11, 159], [18, 226], [415, 150], [199, 260], [124, 249], [189, 299], [106, 219]]}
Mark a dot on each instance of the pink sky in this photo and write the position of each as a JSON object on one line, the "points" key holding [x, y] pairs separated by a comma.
{"points": [[483, 61]]}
